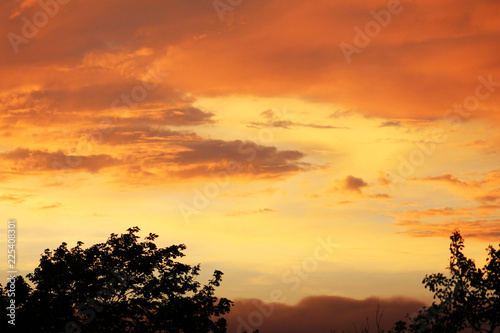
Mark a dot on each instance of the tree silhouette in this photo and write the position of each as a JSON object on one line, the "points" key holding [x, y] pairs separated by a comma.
{"points": [[122, 285], [468, 299], [127, 285]]}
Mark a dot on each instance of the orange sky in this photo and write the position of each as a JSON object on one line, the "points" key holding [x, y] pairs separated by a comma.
{"points": [[245, 132]]}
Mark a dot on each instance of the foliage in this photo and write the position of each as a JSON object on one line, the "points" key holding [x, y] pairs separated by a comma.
{"points": [[468, 299], [122, 285]]}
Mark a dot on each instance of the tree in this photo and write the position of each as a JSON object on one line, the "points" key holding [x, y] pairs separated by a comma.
{"points": [[4, 303], [122, 285], [468, 299]]}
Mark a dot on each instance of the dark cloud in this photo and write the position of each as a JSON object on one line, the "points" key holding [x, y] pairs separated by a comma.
{"points": [[341, 114], [317, 314], [352, 183], [248, 156], [381, 196], [186, 116], [141, 133], [28, 161], [49, 107], [488, 198], [275, 118], [273, 123], [288, 123], [268, 114], [111, 25], [200, 158], [157, 152], [390, 124]]}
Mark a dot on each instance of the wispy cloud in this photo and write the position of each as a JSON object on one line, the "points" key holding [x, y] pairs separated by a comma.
{"points": [[251, 212]]}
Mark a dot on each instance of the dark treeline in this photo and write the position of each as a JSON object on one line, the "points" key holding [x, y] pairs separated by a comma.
{"points": [[127, 285]]}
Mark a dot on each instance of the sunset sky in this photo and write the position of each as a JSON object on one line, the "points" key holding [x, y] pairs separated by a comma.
{"points": [[255, 131]]}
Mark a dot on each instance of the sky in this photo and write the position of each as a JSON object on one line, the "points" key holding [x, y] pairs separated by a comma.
{"points": [[306, 149]]}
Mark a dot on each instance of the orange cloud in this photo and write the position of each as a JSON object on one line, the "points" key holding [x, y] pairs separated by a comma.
{"points": [[55, 205], [17, 199], [177, 158], [273, 121], [250, 212], [475, 222], [428, 58], [22, 161], [488, 198], [476, 216], [237, 157], [447, 178], [296, 56], [482, 229]]}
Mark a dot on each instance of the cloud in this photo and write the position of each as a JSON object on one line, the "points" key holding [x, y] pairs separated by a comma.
{"points": [[273, 123], [441, 212], [251, 212], [161, 154], [354, 184], [246, 156], [476, 222], [54, 205], [186, 116], [446, 177], [268, 114], [381, 196], [344, 202], [274, 120], [390, 124], [17, 199], [115, 26], [21, 161], [297, 59], [317, 314], [140, 134], [488, 198], [79, 105], [482, 229], [341, 114], [383, 179], [475, 213], [481, 187]]}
